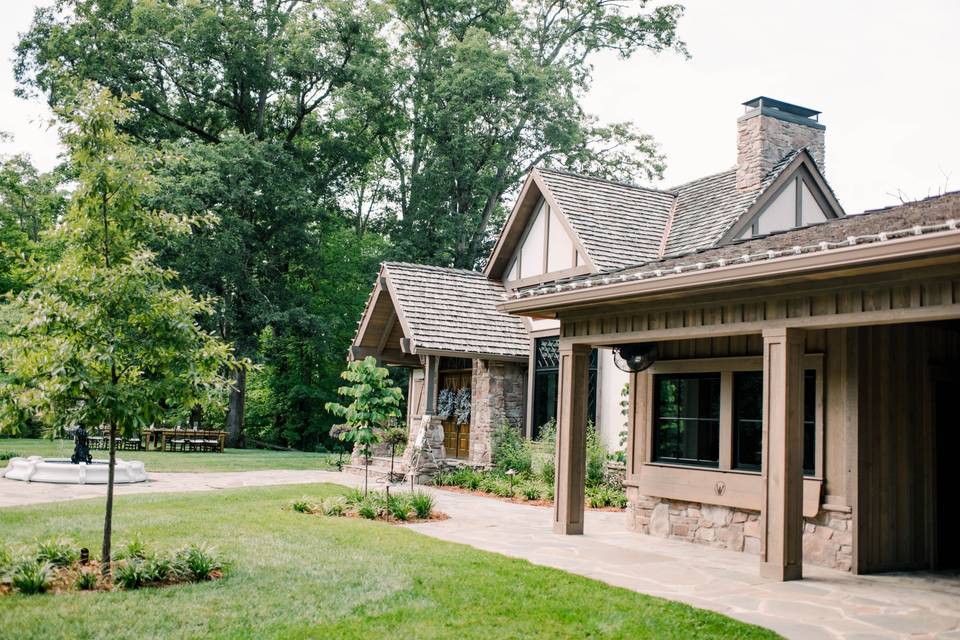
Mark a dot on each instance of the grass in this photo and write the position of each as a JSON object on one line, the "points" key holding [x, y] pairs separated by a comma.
{"points": [[229, 460], [289, 576]]}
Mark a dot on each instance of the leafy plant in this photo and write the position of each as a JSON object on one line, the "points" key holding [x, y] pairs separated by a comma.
{"points": [[444, 479], [31, 577], [57, 552], [7, 455], [197, 562], [367, 510], [128, 574], [398, 507], [86, 581], [303, 505], [529, 491], [333, 506], [354, 497], [422, 504], [596, 457], [157, 568], [510, 450], [374, 403], [136, 548]]}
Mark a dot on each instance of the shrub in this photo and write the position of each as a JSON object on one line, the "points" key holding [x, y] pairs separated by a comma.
{"points": [[618, 499], [398, 507], [549, 470], [510, 450], [31, 577], [6, 560], [354, 496], [86, 581], [605, 496], [197, 562], [128, 574], [367, 510], [7, 455], [596, 457], [135, 549], [303, 505], [443, 479], [334, 506], [529, 491], [157, 569], [57, 552], [422, 504]]}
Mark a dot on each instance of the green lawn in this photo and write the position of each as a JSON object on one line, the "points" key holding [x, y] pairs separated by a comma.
{"points": [[300, 576], [229, 460]]}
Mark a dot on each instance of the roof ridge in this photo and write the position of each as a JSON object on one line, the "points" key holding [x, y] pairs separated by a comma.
{"points": [[629, 185], [420, 265]]}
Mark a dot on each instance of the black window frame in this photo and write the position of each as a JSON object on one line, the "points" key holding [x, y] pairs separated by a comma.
{"points": [[546, 383], [699, 461]]}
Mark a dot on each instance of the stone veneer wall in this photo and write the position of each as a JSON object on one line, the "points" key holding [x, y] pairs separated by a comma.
{"points": [[498, 390], [763, 140], [827, 538]]}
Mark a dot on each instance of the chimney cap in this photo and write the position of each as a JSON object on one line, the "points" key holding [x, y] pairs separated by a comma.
{"points": [[762, 102]]}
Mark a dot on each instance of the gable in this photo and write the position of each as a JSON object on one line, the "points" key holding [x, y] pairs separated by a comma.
{"points": [[796, 198], [546, 248]]}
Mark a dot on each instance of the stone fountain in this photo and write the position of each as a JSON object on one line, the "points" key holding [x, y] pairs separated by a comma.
{"points": [[80, 468]]}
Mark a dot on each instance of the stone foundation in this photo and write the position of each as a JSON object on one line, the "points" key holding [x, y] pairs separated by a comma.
{"points": [[497, 397], [827, 538]]}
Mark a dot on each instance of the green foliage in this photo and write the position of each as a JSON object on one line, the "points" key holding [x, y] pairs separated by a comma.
{"points": [[86, 580], [129, 574], [136, 548], [333, 506], [422, 504], [31, 577], [7, 455], [303, 505], [197, 562], [157, 568], [601, 496], [368, 510], [596, 457], [354, 496], [510, 450], [57, 552]]}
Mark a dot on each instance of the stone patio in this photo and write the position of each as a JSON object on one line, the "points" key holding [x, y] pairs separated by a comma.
{"points": [[826, 604]]}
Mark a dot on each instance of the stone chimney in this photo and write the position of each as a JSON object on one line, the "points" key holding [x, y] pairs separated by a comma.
{"points": [[769, 130]]}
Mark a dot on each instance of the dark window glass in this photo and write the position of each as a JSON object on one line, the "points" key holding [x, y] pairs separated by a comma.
{"points": [[748, 420], [687, 418], [546, 381]]}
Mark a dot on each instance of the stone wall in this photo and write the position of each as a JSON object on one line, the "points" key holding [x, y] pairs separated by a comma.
{"points": [[498, 390], [827, 538], [763, 140]]}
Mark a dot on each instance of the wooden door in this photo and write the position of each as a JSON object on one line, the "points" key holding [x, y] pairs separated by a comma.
{"points": [[456, 438]]}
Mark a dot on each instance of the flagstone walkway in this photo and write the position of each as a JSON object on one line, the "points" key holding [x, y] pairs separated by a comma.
{"points": [[825, 604]]}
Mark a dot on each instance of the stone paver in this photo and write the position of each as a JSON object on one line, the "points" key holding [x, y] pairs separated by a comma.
{"points": [[826, 604]]}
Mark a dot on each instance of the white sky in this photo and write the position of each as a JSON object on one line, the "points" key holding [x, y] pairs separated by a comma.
{"points": [[884, 74]]}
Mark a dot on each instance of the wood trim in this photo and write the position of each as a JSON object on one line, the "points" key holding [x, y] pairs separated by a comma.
{"points": [[472, 356], [741, 489], [511, 285]]}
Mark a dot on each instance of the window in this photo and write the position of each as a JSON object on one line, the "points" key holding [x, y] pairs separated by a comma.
{"points": [[687, 418], [748, 420], [546, 382]]}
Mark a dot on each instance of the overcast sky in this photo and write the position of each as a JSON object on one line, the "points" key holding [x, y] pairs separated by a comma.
{"points": [[884, 74]]}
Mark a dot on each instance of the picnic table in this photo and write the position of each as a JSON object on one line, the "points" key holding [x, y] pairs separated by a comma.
{"points": [[177, 439]]}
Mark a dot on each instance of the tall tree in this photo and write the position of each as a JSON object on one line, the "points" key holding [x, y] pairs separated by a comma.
{"points": [[270, 106], [101, 337], [489, 90]]}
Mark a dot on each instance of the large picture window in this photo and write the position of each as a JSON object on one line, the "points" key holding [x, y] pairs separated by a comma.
{"points": [[687, 418], [546, 383], [748, 420]]}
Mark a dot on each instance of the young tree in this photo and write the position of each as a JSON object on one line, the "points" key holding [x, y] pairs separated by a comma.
{"points": [[375, 403], [101, 337]]}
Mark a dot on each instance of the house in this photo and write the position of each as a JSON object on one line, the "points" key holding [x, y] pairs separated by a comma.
{"points": [[792, 368]]}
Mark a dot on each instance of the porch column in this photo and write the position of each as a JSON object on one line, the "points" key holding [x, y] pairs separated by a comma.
{"points": [[781, 515], [430, 385], [571, 439]]}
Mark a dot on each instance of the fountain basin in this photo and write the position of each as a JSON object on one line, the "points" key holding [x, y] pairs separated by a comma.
{"points": [[62, 471]]}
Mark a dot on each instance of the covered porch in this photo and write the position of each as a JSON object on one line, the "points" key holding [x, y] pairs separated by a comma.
{"points": [[850, 352]]}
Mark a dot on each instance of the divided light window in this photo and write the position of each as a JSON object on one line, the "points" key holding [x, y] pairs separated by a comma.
{"points": [[748, 420], [546, 382], [687, 418]]}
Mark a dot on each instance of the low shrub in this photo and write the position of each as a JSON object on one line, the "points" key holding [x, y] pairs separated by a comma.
{"points": [[443, 479], [398, 507], [57, 552], [135, 549], [197, 562], [422, 504], [7, 455], [128, 574], [596, 457], [368, 511], [86, 580], [510, 450], [529, 491], [354, 496], [606, 496], [334, 506], [31, 577], [303, 505], [157, 569]]}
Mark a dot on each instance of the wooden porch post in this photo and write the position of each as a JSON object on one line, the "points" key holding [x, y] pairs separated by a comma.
{"points": [[430, 385], [571, 439], [781, 515]]}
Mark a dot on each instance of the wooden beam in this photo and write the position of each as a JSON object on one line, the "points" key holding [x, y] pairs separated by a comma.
{"points": [[430, 385], [571, 454], [386, 333], [781, 510]]}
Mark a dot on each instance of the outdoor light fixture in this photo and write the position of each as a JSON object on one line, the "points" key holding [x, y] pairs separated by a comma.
{"points": [[634, 358], [510, 474]]}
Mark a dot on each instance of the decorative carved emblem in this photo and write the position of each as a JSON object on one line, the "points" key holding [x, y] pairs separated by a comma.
{"points": [[719, 487]]}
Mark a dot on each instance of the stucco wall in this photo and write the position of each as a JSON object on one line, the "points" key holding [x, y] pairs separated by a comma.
{"points": [[610, 421]]}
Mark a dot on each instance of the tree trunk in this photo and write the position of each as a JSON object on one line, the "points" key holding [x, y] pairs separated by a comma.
{"points": [[108, 516], [235, 411]]}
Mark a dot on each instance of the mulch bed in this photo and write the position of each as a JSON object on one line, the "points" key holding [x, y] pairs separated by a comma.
{"points": [[436, 516], [64, 579]]}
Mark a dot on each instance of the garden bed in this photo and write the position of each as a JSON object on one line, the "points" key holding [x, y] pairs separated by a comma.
{"points": [[57, 566], [409, 507]]}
